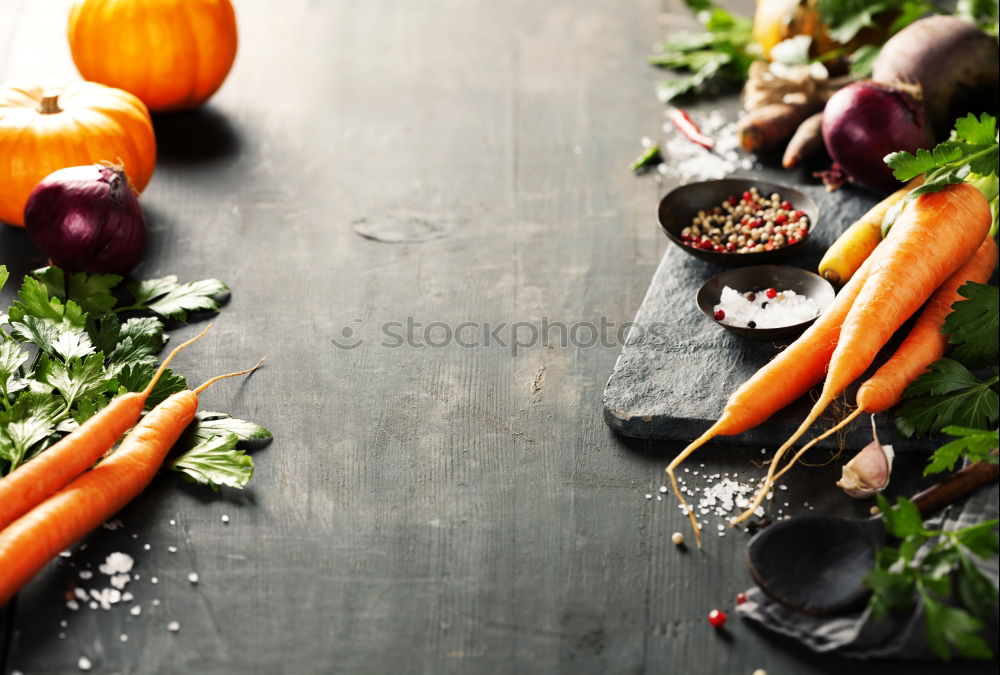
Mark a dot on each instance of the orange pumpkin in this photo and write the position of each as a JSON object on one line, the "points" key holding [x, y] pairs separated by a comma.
{"points": [[172, 54], [42, 130]]}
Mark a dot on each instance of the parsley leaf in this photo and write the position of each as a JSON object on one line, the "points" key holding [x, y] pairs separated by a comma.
{"points": [[723, 51], [216, 462], [172, 300], [972, 324], [135, 377], [29, 421], [210, 424], [948, 394], [11, 359], [899, 579], [74, 379], [975, 444]]}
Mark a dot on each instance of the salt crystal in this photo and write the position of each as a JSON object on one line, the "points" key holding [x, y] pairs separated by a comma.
{"points": [[93, 605], [119, 581], [83, 663], [782, 487], [63, 623], [80, 593], [156, 602], [225, 518], [173, 549], [146, 547], [64, 554], [127, 597], [663, 489], [193, 577], [86, 574], [173, 522], [154, 580], [72, 604], [173, 626], [117, 563], [136, 610], [649, 496], [123, 637]]}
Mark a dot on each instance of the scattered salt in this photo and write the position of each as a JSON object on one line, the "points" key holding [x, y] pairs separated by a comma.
{"points": [[136, 610], [86, 574], [123, 637], [225, 518], [117, 563], [154, 580], [689, 162], [663, 489], [193, 577], [173, 522], [173, 626], [146, 547], [83, 663], [649, 496], [171, 549]]}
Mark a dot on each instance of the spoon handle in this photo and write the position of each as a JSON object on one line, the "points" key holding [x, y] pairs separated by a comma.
{"points": [[956, 486]]}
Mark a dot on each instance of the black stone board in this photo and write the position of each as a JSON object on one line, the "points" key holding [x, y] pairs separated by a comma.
{"points": [[678, 368]]}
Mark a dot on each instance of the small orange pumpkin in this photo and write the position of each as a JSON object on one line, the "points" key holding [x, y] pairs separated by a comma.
{"points": [[172, 54], [43, 130]]}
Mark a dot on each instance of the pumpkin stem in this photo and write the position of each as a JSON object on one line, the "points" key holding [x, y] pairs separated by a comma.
{"points": [[50, 103]]}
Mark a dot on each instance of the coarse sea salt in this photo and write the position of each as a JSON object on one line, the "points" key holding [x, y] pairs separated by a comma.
{"points": [[688, 161], [787, 308]]}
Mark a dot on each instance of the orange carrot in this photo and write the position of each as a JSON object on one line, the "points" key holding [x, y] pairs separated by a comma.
{"points": [[31, 541], [785, 378], [924, 345], [30, 483], [930, 240]]}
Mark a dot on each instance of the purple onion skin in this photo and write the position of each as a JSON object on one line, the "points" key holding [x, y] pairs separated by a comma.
{"points": [[87, 219], [864, 122]]}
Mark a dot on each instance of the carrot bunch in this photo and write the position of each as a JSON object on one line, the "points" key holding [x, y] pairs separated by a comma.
{"points": [[49, 503], [930, 241]]}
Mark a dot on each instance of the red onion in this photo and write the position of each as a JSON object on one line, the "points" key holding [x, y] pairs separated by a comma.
{"points": [[87, 219], [865, 121]]}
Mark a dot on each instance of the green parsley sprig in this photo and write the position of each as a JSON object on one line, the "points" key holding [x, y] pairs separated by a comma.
{"points": [[970, 155], [70, 346], [950, 393], [904, 573], [722, 52]]}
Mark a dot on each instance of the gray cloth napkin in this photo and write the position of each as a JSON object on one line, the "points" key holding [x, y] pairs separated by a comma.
{"points": [[859, 635]]}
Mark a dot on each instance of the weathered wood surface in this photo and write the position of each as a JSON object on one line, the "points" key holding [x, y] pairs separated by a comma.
{"points": [[422, 510]]}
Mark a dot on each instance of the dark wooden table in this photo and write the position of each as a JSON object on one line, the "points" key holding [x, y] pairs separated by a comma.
{"points": [[422, 509]]}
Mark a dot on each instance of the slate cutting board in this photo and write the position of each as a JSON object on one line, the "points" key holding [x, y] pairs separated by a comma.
{"points": [[677, 367]]}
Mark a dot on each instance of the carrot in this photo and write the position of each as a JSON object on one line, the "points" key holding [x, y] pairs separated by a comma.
{"points": [[31, 541], [924, 345], [782, 380], [929, 241], [856, 243], [30, 483]]}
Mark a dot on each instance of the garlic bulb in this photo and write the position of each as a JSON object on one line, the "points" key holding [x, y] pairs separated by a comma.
{"points": [[868, 471]]}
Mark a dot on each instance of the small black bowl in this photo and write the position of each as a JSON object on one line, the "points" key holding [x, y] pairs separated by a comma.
{"points": [[681, 205], [766, 276]]}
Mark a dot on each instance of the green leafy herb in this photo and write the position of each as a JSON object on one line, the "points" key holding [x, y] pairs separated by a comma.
{"points": [[975, 445], [650, 157], [972, 325], [216, 462], [84, 355], [948, 394], [970, 155], [981, 12], [722, 52], [901, 576], [172, 300]]}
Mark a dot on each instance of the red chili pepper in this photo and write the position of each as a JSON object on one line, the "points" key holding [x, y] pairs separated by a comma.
{"points": [[741, 598], [686, 126]]}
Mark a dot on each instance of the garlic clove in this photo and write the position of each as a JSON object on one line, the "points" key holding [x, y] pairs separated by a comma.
{"points": [[868, 471]]}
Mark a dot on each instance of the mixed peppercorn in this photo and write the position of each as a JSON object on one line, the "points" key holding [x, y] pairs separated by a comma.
{"points": [[750, 223]]}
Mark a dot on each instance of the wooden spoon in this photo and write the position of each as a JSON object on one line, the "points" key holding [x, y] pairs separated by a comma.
{"points": [[816, 564]]}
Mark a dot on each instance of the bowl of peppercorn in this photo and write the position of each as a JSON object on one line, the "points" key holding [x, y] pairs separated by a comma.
{"points": [[765, 302], [738, 221]]}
